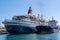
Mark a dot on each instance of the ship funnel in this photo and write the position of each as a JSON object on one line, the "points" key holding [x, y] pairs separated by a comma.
{"points": [[30, 10]]}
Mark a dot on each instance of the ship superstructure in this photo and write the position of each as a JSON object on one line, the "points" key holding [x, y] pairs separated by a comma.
{"points": [[52, 23]]}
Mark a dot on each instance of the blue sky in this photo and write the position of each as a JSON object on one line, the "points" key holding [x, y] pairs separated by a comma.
{"points": [[48, 8]]}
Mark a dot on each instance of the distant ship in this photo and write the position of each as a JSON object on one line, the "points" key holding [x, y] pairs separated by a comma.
{"points": [[25, 23]]}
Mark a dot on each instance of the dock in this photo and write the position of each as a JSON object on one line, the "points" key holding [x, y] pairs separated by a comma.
{"points": [[3, 30]]}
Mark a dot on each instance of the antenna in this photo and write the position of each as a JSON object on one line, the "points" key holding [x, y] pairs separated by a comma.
{"points": [[52, 18], [5, 18], [38, 15], [41, 13], [41, 16]]}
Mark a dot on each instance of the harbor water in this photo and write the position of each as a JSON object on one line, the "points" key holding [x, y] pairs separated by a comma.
{"points": [[53, 36]]}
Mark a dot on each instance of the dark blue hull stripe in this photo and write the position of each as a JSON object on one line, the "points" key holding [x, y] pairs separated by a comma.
{"points": [[19, 29]]}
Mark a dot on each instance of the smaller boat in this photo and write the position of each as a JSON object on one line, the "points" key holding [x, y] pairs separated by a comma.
{"points": [[44, 30]]}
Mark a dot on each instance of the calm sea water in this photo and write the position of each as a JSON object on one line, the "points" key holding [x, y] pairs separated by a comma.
{"points": [[54, 36]]}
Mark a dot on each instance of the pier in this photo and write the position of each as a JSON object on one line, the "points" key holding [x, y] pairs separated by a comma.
{"points": [[3, 30]]}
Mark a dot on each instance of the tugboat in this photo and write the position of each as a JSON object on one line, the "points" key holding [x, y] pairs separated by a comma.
{"points": [[47, 29]]}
